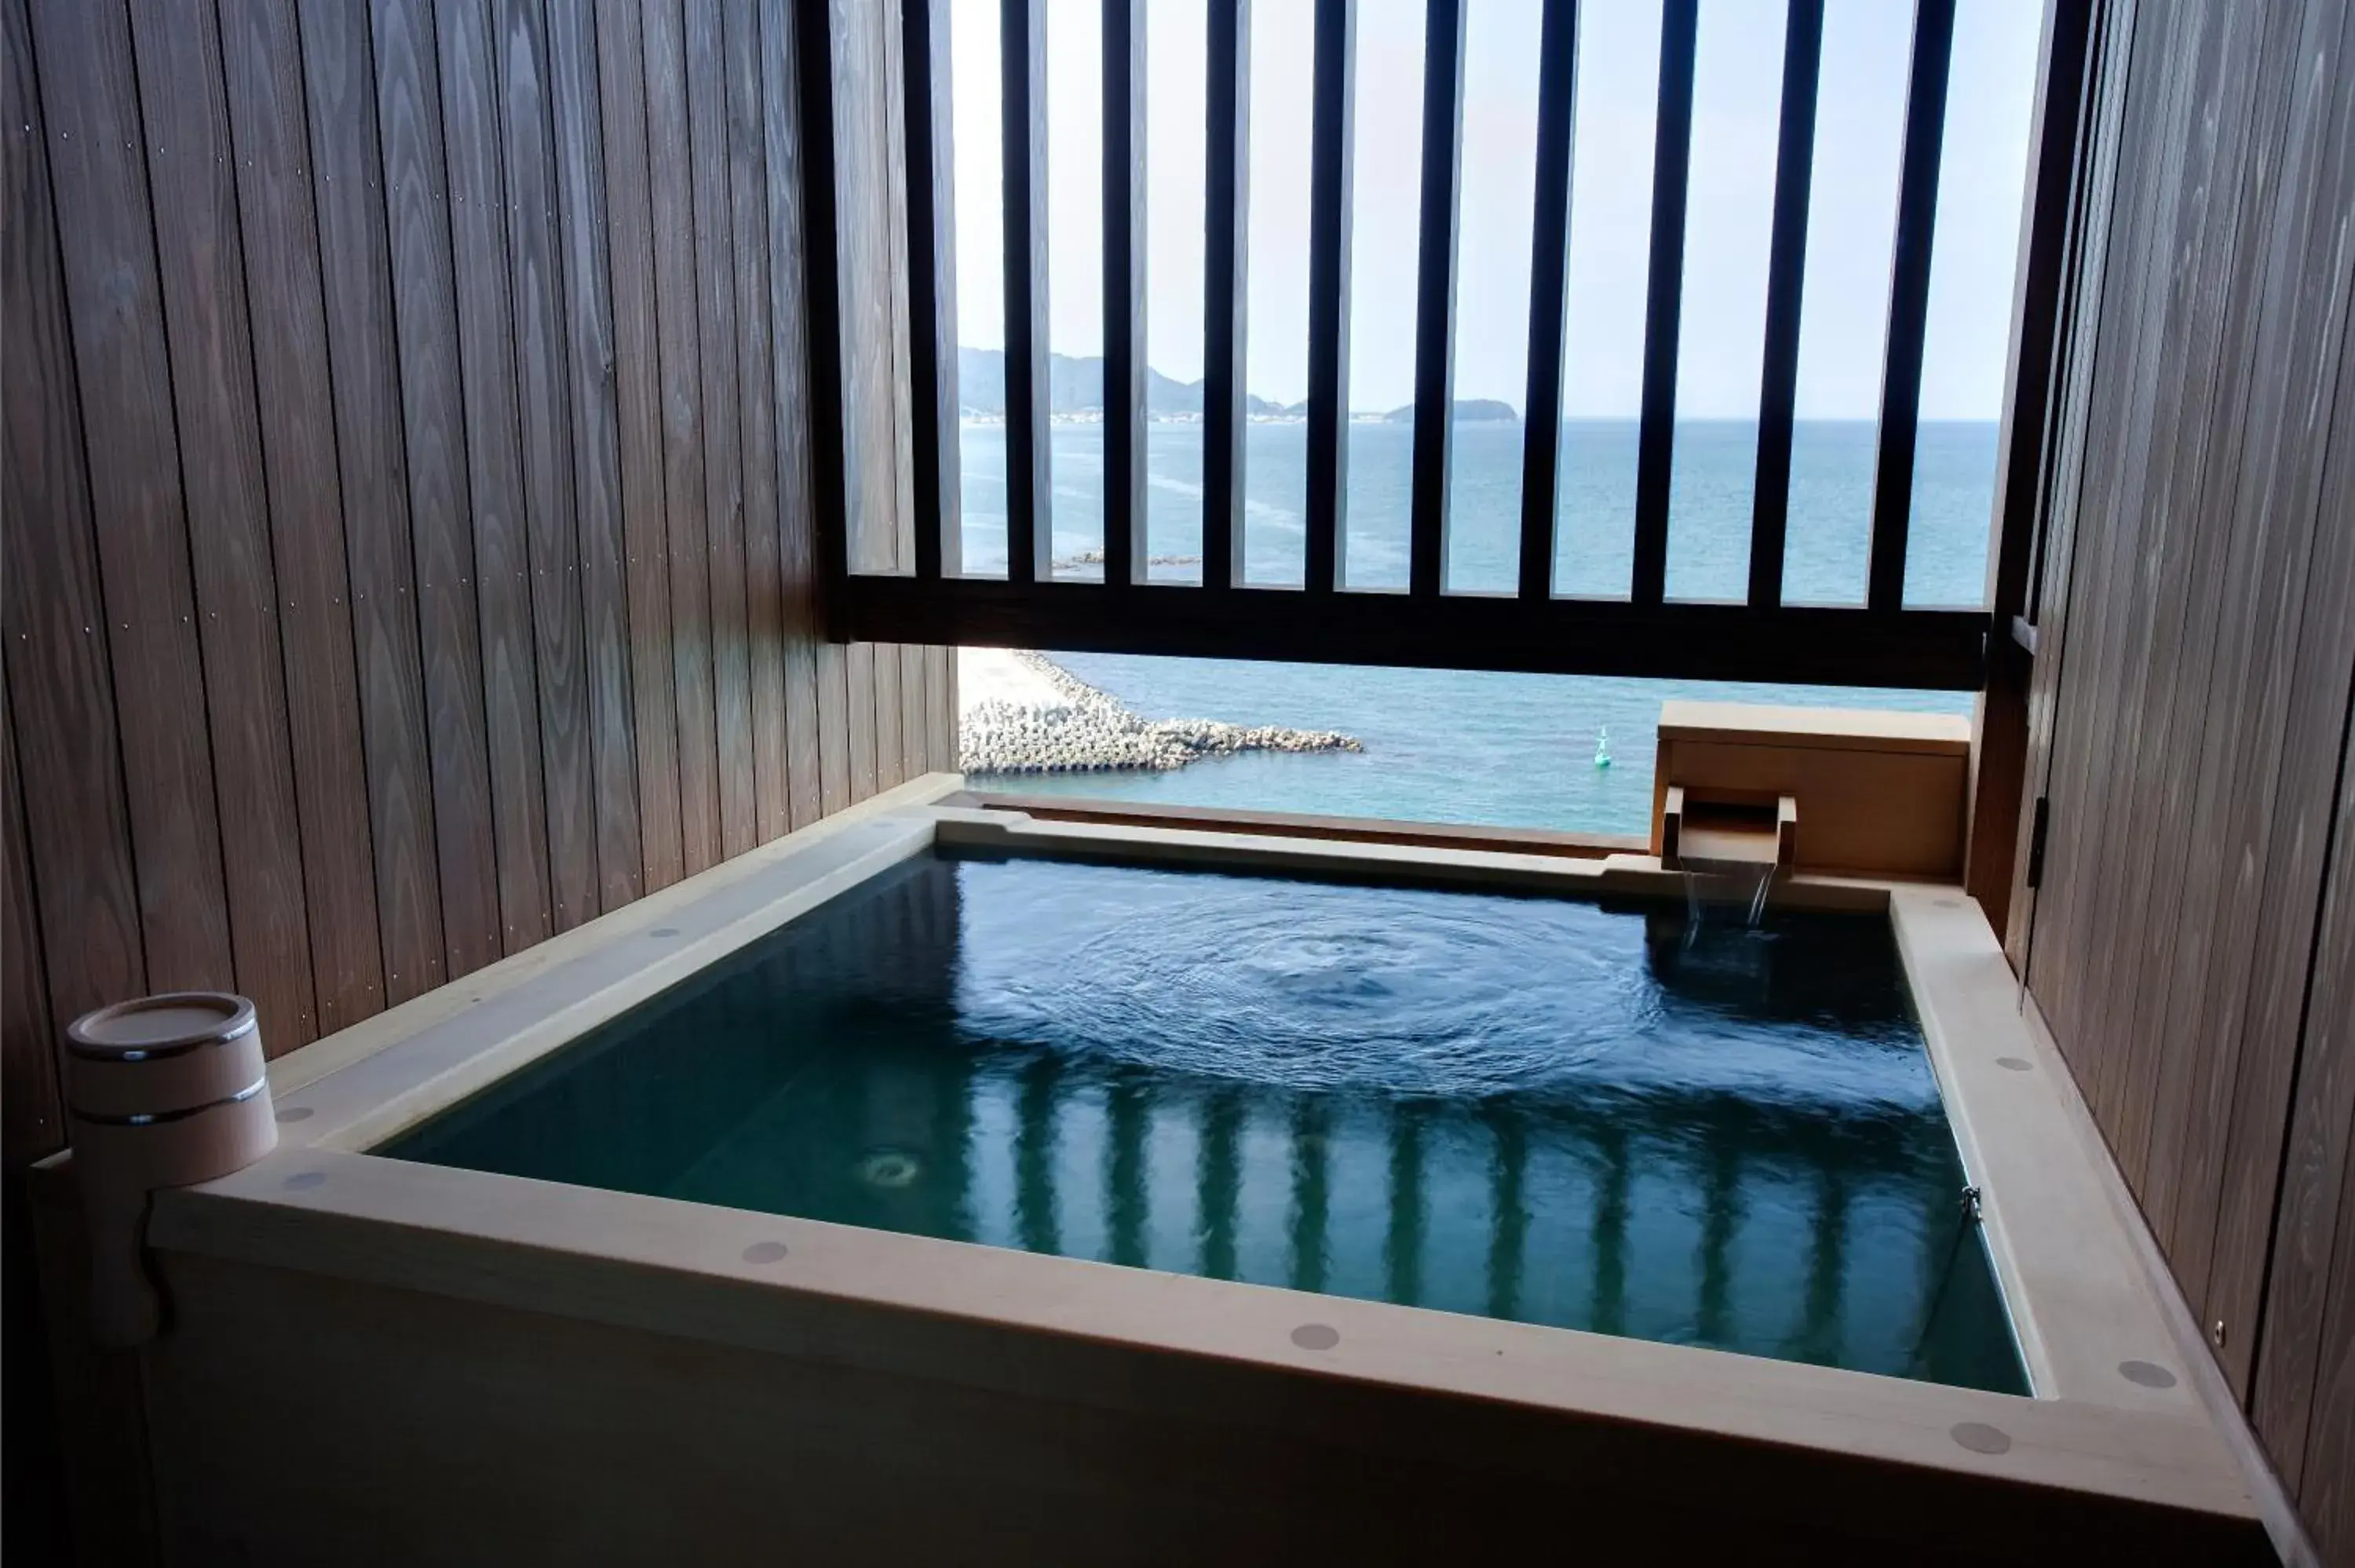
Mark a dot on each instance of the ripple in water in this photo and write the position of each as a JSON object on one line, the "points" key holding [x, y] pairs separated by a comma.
{"points": [[1313, 986], [1316, 986]]}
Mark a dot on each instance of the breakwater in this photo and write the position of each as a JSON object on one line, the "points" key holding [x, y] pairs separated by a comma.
{"points": [[1047, 720]]}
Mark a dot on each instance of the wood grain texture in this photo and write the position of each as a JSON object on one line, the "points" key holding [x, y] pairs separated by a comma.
{"points": [[723, 466], [114, 303], [870, 250], [339, 491], [2253, 793], [417, 212], [32, 1117], [572, 76], [210, 345], [269, 119], [2169, 652], [788, 365], [2190, 943], [669, 161], [764, 607], [859, 740], [544, 398], [511, 689], [891, 763], [637, 397], [2295, 1375], [60, 681], [357, 267], [2304, 606], [2080, 321]]}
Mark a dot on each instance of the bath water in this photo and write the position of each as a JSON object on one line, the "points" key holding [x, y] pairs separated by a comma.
{"points": [[1587, 1116]]}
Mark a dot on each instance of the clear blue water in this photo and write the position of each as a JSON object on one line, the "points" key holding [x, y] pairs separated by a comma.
{"points": [[1479, 746], [1546, 1110]]}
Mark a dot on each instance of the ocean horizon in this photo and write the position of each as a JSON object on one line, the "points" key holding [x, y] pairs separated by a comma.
{"points": [[1479, 745]]}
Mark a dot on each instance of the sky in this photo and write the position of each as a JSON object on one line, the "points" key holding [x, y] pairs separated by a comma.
{"points": [[1737, 89]]}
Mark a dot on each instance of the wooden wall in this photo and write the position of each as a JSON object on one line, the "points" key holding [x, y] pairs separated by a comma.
{"points": [[408, 495], [2193, 941]]}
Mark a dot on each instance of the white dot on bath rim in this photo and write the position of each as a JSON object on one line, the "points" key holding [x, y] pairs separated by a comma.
{"points": [[764, 1252], [295, 1113], [1979, 1437], [2014, 1063], [1316, 1336], [303, 1180], [2150, 1374]]}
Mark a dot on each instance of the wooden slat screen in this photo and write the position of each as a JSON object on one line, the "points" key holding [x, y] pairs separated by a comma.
{"points": [[2188, 713], [410, 544], [1880, 642]]}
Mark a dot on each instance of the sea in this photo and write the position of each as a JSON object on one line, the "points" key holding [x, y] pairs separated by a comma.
{"points": [[1568, 752]]}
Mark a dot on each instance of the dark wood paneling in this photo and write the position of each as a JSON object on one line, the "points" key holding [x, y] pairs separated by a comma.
{"points": [[417, 209], [357, 267], [748, 217], [637, 395], [106, 238], [185, 116], [869, 135], [2190, 943], [544, 401], [858, 709], [269, 124], [669, 161], [60, 681], [356, 440], [2304, 607], [715, 264], [572, 78], [891, 767], [2167, 653], [2250, 787], [789, 361], [32, 1117], [495, 462]]}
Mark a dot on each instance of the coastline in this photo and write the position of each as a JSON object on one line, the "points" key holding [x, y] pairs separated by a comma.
{"points": [[1019, 712]]}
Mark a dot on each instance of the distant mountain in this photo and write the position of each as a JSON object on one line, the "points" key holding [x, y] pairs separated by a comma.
{"points": [[1075, 385], [1473, 410]]}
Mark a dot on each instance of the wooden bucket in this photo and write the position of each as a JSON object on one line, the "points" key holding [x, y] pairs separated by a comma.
{"points": [[163, 1092]]}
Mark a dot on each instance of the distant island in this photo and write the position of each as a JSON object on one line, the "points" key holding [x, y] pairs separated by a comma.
{"points": [[1075, 387], [1472, 408]]}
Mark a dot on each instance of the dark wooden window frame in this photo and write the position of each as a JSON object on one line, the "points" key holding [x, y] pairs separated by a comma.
{"points": [[1879, 643]]}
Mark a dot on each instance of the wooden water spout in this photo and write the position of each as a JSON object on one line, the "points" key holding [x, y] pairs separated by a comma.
{"points": [[1728, 830]]}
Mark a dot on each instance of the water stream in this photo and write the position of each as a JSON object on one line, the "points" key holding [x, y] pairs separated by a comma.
{"points": [[1746, 883]]}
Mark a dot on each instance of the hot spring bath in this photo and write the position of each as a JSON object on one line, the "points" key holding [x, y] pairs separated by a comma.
{"points": [[909, 1188]]}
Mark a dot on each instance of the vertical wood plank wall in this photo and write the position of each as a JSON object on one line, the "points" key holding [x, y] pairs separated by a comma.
{"points": [[407, 506], [2193, 941]]}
